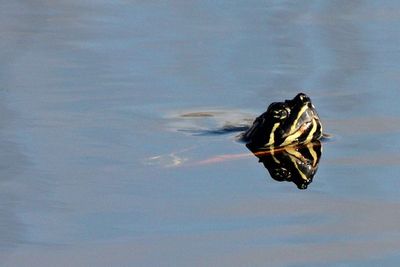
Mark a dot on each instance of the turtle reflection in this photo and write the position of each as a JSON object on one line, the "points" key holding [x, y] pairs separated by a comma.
{"points": [[297, 164]]}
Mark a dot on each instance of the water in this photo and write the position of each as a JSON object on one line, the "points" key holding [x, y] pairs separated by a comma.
{"points": [[91, 94]]}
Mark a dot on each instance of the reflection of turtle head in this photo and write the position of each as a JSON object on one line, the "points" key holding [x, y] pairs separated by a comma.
{"points": [[297, 164]]}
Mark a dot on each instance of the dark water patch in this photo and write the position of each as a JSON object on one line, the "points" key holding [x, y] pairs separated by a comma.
{"points": [[224, 130]]}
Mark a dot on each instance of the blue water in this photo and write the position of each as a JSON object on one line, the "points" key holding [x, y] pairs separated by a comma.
{"points": [[99, 169]]}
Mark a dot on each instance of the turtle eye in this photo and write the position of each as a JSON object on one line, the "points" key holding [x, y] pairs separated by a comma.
{"points": [[280, 114]]}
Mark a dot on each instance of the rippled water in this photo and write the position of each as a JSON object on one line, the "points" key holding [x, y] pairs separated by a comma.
{"points": [[100, 168]]}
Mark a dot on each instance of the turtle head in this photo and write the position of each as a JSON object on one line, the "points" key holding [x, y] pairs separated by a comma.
{"points": [[293, 121]]}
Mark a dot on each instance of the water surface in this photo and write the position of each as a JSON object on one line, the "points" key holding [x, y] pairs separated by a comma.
{"points": [[91, 94]]}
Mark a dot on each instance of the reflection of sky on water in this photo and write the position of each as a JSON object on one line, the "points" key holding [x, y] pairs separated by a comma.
{"points": [[86, 89]]}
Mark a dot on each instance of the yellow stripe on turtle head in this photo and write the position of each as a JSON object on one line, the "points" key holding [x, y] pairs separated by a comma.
{"points": [[271, 138]]}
